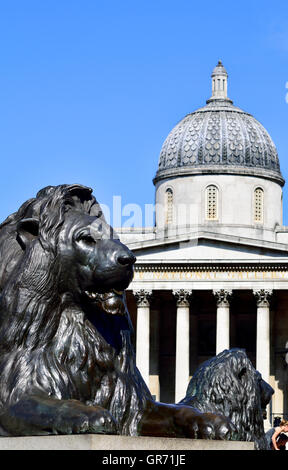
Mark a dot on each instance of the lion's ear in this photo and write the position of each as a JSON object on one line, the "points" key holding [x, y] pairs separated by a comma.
{"points": [[27, 231]]}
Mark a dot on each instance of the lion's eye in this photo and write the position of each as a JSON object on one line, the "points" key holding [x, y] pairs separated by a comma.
{"points": [[88, 240]]}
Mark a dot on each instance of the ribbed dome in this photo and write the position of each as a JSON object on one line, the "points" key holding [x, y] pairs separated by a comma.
{"points": [[219, 138]]}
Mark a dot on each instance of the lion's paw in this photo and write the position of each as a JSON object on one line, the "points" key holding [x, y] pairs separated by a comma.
{"points": [[212, 426], [101, 421], [76, 418], [204, 425]]}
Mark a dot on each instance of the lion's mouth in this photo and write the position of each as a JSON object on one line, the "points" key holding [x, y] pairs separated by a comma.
{"points": [[112, 302]]}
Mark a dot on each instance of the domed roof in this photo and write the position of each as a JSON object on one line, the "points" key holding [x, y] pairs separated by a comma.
{"points": [[219, 138]]}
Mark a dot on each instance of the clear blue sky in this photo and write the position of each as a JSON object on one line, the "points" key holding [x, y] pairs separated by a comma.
{"points": [[90, 89]]}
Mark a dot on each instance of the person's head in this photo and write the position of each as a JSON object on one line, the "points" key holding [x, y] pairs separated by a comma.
{"points": [[284, 425]]}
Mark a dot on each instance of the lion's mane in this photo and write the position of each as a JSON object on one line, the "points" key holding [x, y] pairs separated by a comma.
{"points": [[46, 343], [228, 384]]}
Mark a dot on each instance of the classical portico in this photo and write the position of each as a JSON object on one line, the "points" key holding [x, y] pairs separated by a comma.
{"points": [[212, 273], [184, 282]]}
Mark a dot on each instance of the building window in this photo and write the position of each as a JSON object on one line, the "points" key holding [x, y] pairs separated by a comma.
{"points": [[258, 205], [211, 203], [169, 207]]}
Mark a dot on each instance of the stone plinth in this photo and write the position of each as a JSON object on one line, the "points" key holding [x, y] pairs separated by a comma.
{"points": [[104, 442]]}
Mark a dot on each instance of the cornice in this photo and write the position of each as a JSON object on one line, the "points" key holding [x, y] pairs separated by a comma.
{"points": [[213, 266], [205, 235], [208, 170]]}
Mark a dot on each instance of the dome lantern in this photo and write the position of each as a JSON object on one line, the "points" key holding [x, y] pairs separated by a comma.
{"points": [[219, 83]]}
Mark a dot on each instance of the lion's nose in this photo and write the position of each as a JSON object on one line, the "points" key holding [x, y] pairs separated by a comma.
{"points": [[126, 259]]}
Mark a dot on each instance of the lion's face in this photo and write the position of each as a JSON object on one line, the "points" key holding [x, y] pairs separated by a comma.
{"points": [[95, 267], [65, 227]]}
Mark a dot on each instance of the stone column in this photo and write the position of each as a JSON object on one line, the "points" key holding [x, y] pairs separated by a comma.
{"points": [[263, 297], [223, 319], [182, 343], [143, 297]]}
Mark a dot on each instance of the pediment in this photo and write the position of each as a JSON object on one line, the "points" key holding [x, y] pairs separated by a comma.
{"points": [[209, 247]]}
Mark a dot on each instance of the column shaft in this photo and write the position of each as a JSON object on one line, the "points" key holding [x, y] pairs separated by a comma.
{"points": [[263, 340], [182, 343], [222, 329], [263, 332], [222, 320], [182, 353], [143, 342], [143, 332]]}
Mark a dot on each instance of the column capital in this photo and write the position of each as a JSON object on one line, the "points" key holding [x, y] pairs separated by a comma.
{"points": [[263, 297], [222, 297], [143, 297], [183, 297]]}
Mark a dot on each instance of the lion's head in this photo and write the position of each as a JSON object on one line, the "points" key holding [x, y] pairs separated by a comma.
{"points": [[63, 231], [229, 384]]}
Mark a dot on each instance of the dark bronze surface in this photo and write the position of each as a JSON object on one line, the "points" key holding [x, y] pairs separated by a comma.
{"points": [[67, 364], [229, 384]]}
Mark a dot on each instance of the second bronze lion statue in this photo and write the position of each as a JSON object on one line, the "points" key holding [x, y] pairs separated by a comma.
{"points": [[229, 384], [67, 364]]}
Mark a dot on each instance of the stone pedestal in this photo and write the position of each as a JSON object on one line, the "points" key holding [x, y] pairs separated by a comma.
{"points": [[124, 443]]}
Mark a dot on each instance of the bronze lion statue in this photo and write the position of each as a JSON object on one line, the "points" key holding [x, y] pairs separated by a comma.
{"points": [[67, 364], [229, 384]]}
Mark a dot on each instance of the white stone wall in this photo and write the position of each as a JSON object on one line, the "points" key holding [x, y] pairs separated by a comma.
{"points": [[282, 235], [135, 234], [235, 203]]}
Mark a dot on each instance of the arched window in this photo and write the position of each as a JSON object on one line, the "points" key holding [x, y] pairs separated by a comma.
{"points": [[211, 203], [258, 205], [168, 206]]}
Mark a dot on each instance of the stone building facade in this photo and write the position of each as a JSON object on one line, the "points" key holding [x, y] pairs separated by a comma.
{"points": [[213, 271]]}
